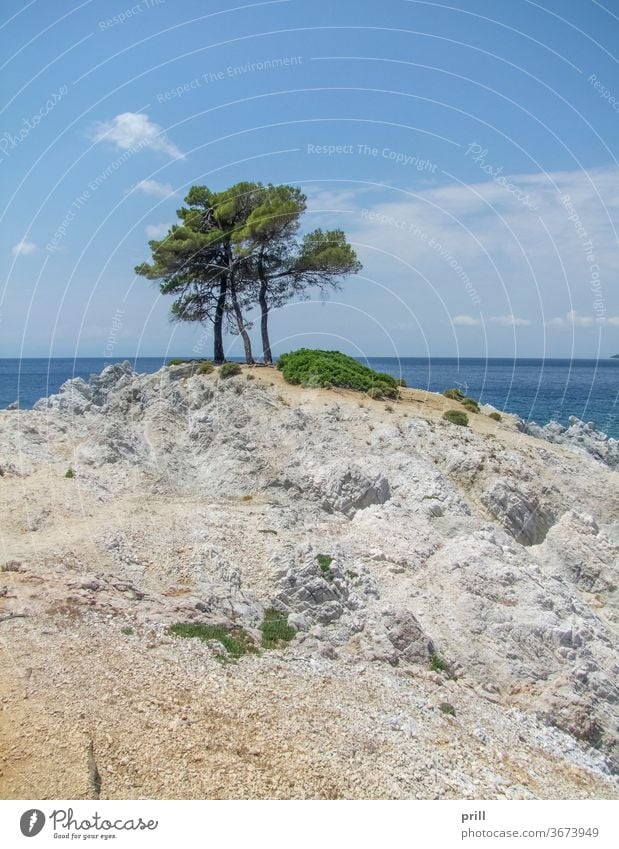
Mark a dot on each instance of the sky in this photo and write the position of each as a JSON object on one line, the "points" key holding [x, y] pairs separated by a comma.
{"points": [[468, 150]]}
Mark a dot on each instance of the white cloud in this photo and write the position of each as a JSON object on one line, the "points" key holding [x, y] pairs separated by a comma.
{"points": [[134, 130], [156, 231], [574, 319], [154, 188], [510, 321], [24, 248], [465, 320]]}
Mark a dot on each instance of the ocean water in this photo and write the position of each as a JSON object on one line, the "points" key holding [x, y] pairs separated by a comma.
{"points": [[537, 390]]}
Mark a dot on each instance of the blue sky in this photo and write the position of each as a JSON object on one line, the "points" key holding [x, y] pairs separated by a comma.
{"points": [[467, 149]]}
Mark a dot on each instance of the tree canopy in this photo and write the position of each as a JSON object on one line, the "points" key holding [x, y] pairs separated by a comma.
{"points": [[240, 248]]}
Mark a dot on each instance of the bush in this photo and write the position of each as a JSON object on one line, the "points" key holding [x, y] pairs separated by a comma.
{"points": [[69, 473], [495, 416], [456, 417], [205, 367], [236, 641], [445, 707], [275, 629], [324, 561], [437, 664], [229, 370], [454, 394], [471, 405], [307, 367]]}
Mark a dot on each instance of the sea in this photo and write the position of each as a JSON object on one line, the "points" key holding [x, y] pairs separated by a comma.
{"points": [[535, 389]]}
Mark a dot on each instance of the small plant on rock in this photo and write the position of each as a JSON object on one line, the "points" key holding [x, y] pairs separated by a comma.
{"points": [[275, 629], [205, 367], [235, 641], [456, 417], [496, 417], [445, 707], [471, 405], [69, 473], [454, 394], [229, 370], [437, 664], [324, 562]]}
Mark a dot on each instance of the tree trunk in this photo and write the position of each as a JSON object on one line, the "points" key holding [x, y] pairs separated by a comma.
{"points": [[249, 357], [218, 348], [264, 324]]}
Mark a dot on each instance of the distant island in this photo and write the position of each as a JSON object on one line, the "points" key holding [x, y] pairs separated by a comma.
{"points": [[615, 357]]}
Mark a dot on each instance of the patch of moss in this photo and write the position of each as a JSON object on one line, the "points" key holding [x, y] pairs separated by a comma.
{"points": [[235, 641], [275, 629]]}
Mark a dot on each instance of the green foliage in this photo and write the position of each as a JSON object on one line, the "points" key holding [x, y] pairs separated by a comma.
{"points": [[495, 416], [437, 664], [128, 632], [233, 249], [352, 574], [205, 367], [454, 394], [310, 367], [324, 561], [69, 473], [400, 381], [235, 641], [275, 629], [471, 405], [456, 417], [229, 370], [267, 531], [250, 377], [445, 707]]}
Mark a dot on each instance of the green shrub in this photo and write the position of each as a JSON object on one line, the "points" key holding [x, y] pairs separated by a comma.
{"points": [[456, 417], [437, 664], [308, 367], [267, 531], [454, 394], [205, 367], [128, 632], [177, 362], [249, 376], [445, 707], [229, 370], [471, 405], [236, 641], [495, 416], [324, 561], [275, 629], [69, 473], [400, 381]]}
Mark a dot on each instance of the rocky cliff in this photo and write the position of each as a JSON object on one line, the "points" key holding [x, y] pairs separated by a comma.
{"points": [[452, 593]]}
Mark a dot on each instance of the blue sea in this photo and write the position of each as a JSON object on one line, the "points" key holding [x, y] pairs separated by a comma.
{"points": [[537, 390]]}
